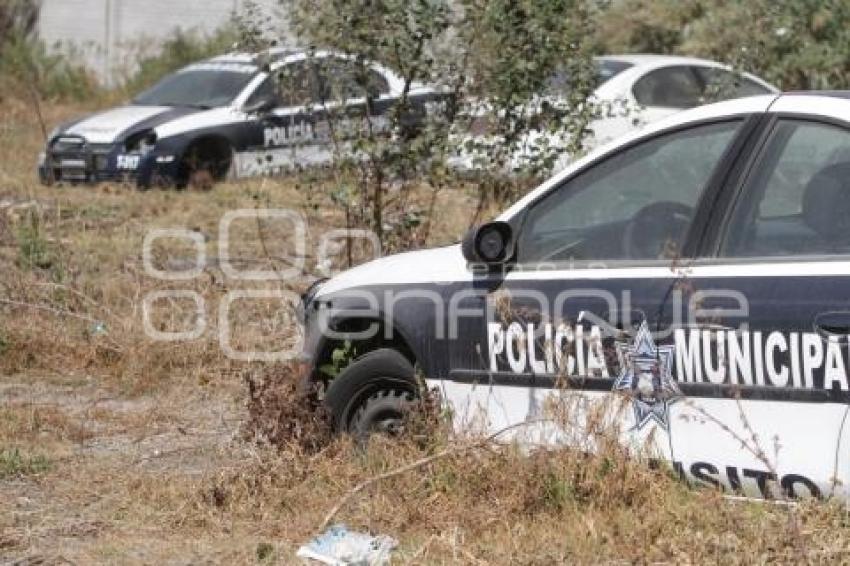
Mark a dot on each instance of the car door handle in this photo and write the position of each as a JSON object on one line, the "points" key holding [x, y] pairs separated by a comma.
{"points": [[833, 324]]}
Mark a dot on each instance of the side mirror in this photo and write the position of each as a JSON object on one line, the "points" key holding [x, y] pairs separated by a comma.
{"points": [[262, 106], [491, 244]]}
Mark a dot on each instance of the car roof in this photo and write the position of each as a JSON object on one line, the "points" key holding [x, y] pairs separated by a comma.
{"points": [[826, 93], [279, 56], [655, 60], [275, 55]]}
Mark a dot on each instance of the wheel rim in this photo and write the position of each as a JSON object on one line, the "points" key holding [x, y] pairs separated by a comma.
{"points": [[387, 420], [389, 424]]}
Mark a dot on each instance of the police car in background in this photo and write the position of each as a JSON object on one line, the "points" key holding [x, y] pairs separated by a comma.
{"points": [[694, 275], [226, 116]]}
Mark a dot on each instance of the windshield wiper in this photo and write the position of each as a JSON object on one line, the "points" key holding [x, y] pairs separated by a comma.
{"points": [[189, 105]]}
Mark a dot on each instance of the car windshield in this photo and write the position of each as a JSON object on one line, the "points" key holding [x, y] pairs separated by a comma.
{"points": [[606, 69], [199, 86]]}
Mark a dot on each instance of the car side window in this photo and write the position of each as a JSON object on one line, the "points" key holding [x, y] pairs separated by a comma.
{"points": [[267, 89], [637, 204], [668, 87], [797, 200], [343, 79], [377, 83], [298, 84], [721, 84]]}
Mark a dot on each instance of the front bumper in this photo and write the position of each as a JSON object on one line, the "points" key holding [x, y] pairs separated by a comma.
{"points": [[74, 160]]}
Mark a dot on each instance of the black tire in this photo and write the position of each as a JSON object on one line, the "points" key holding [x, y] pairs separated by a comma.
{"points": [[204, 164], [372, 394]]}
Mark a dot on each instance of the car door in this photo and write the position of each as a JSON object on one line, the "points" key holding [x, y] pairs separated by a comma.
{"points": [[284, 136], [291, 134], [577, 315], [764, 362], [353, 105]]}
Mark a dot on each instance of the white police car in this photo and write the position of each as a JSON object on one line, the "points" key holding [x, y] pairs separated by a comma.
{"points": [[695, 275], [631, 90], [235, 115]]}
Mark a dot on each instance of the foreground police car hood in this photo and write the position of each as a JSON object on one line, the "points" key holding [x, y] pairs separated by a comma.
{"points": [[112, 125], [436, 265]]}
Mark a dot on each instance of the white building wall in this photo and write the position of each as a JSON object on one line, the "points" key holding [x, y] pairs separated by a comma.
{"points": [[108, 33]]}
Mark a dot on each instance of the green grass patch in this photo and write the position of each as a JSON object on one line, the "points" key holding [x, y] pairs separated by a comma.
{"points": [[16, 464]]}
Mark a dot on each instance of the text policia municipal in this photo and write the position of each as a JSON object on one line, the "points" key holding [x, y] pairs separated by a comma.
{"points": [[803, 360]]}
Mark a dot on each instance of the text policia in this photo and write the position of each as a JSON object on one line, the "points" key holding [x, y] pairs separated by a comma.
{"points": [[802, 360]]}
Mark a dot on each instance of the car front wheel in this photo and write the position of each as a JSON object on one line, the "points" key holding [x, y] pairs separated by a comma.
{"points": [[374, 394], [205, 163]]}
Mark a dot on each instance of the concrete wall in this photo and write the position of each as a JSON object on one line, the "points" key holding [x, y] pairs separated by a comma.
{"points": [[108, 33]]}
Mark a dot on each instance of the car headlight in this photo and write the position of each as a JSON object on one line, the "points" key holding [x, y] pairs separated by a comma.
{"points": [[141, 142]]}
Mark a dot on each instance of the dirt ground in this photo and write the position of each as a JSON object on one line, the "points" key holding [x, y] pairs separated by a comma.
{"points": [[101, 448]]}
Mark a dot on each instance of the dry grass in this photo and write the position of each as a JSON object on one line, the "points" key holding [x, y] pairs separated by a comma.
{"points": [[115, 448]]}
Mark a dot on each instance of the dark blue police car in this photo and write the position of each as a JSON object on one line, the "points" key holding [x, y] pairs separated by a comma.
{"points": [[230, 116], [687, 286]]}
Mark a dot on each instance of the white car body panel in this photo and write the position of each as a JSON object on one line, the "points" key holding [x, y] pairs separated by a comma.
{"points": [[761, 437], [445, 264], [105, 126], [482, 409], [215, 117]]}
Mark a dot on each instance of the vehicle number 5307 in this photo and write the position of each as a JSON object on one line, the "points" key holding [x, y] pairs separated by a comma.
{"points": [[128, 161]]}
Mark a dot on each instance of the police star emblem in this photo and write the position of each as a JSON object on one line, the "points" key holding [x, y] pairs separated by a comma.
{"points": [[646, 377]]}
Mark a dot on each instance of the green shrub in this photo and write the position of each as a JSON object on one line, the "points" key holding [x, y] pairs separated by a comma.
{"points": [[35, 251], [26, 64], [18, 16], [795, 44], [14, 463], [27, 67]]}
